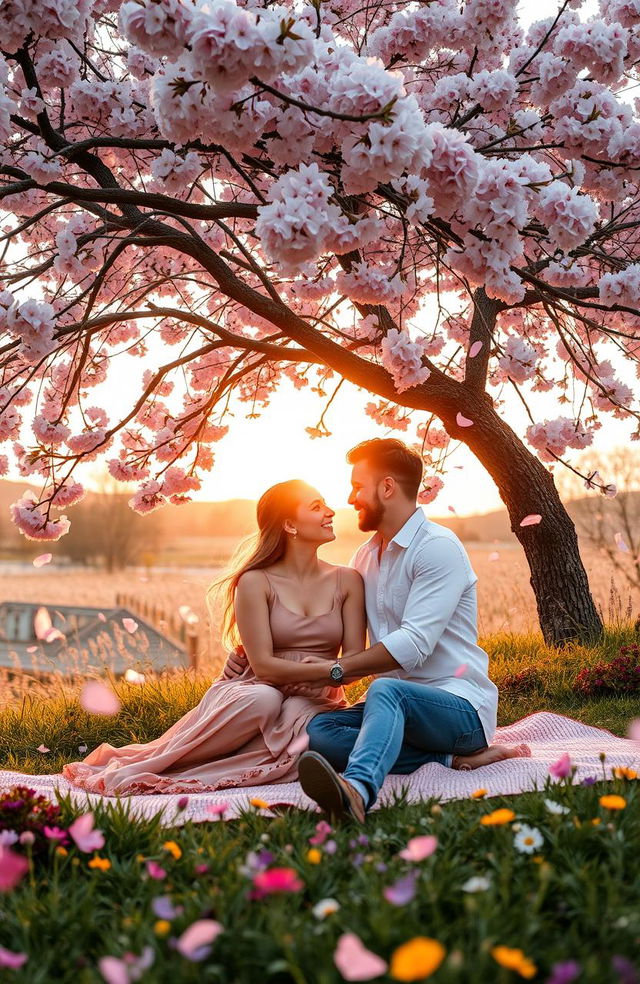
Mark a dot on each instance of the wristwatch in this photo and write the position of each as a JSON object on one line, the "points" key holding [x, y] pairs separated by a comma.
{"points": [[336, 673]]}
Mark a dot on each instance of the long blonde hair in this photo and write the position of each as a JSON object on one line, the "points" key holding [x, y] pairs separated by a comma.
{"points": [[264, 548]]}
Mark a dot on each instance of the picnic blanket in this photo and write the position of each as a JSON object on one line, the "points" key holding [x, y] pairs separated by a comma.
{"points": [[549, 736]]}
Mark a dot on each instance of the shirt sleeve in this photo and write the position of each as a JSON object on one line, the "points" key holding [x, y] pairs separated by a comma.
{"points": [[441, 576]]}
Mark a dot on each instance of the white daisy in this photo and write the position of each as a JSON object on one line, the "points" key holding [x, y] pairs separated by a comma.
{"points": [[528, 839], [477, 884], [325, 907], [556, 808]]}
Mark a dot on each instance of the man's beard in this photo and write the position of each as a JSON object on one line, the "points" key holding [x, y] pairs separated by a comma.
{"points": [[371, 516]]}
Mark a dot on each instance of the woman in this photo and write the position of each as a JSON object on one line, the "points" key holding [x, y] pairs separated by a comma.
{"points": [[293, 612]]}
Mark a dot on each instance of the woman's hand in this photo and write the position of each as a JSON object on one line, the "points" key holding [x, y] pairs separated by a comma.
{"points": [[316, 659]]}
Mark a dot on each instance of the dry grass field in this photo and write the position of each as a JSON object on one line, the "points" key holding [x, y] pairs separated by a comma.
{"points": [[506, 602]]}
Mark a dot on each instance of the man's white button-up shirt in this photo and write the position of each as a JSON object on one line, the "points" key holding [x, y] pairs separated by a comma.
{"points": [[421, 605]]}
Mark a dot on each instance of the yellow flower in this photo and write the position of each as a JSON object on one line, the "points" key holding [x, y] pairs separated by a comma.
{"points": [[613, 802], [314, 856], [61, 851], [259, 804], [596, 821], [102, 863], [140, 857], [161, 927], [623, 772], [498, 817], [478, 794], [416, 959], [173, 848], [514, 959]]}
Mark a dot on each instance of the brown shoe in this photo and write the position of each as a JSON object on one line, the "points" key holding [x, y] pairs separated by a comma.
{"points": [[333, 794]]}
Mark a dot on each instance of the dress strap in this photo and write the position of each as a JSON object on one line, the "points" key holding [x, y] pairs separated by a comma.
{"points": [[339, 590]]}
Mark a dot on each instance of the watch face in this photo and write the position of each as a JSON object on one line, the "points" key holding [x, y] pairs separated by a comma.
{"points": [[336, 673]]}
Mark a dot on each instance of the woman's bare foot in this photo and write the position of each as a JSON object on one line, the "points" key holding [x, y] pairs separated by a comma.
{"points": [[489, 755]]}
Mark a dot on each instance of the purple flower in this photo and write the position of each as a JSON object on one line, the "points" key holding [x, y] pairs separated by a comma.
{"points": [[565, 972], [589, 780], [625, 970], [164, 908], [403, 890]]}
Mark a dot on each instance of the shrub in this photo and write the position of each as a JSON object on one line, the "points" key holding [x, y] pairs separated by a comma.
{"points": [[619, 676]]}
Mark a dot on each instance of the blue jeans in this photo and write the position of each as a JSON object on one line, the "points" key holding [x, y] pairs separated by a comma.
{"points": [[399, 727]]}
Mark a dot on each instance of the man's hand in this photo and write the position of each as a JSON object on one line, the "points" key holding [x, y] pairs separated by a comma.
{"points": [[235, 664]]}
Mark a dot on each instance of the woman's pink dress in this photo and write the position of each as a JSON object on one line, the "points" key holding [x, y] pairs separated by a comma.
{"points": [[242, 733]]}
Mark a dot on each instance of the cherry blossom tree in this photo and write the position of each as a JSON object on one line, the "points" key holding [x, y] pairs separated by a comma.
{"points": [[424, 199]]}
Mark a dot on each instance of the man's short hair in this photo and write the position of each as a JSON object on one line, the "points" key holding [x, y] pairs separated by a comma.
{"points": [[392, 457]]}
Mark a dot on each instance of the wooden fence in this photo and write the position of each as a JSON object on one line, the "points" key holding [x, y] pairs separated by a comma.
{"points": [[172, 624]]}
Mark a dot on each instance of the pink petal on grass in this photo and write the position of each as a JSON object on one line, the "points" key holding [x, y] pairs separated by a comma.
{"points": [[475, 348], [85, 837], [355, 962], [194, 944], [12, 868], [114, 970], [130, 624], [419, 848], [461, 670], [531, 520], [42, 560], [98, 699], [620, 543], [10, 959], [634, 730], [463, 421], [43, 749]]}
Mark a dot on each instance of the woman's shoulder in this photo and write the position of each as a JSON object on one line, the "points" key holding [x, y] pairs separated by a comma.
{"points": [[348, 576], [253, 581]]}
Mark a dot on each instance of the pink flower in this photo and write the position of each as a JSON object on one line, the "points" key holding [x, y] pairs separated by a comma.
{"points": [[156, 871], [55, 834], [194, 942], [86, 838], [562, 768], [275, 881], [12, 868], [419, 848], [323, 829], [12, 960], [355, 962]]}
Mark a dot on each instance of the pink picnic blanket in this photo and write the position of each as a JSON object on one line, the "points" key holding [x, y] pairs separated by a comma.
{"points": [[549, 735]]}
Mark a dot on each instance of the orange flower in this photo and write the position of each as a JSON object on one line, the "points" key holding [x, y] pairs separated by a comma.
{"points": [[61, 851], [259, 804], [623, 772], [514, 959], [102, 863], [161, 927], [416, 959], [173, 848], [613, 802], [314, 856], [498, 817], [478, 794]]}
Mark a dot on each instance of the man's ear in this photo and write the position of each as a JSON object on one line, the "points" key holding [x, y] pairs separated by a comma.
{"points": [[388, 486]]}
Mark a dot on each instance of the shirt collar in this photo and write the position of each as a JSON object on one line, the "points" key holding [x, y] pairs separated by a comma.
{"points": [[405, 534]]}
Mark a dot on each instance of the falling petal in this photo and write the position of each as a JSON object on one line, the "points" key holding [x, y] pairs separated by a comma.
{"points": [[419, 848], [32, 649], [355, 962], [113, 970], [42, 560], [132, 676], [461, 670], [475, 348], [98, 699], [531, 520], [86, 838], [451, 510], [41, 623], [10, 959], [463, 421], [102, 616], [494, 556], [130, 624], [43, 749], [620, 543], [197, 938]]}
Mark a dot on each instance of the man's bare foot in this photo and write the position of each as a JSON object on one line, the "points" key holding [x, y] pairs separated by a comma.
{"points": [[487, 756]]}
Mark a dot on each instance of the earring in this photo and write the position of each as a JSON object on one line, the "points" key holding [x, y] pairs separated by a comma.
{"points": [[294, 532]]}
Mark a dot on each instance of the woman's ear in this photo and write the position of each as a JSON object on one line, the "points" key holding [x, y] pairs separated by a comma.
{"points": [[290, 529]]}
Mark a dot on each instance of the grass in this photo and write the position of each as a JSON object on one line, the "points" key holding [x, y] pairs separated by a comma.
{"points": [[576, 897]]}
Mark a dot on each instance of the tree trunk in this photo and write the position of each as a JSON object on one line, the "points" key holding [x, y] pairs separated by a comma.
{"points": [[565, 607]]}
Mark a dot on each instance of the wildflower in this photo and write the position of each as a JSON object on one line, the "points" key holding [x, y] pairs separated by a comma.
{"points": [[258, 803], [10, 959], [330, 847], [477, 883], [173, 849], [596, 822], [217, 809], [403, 890], [613, 802], [86, 838], [323, 829], [355, 962], [27, 837], [182, 803], [624, 969], [314, 856], [417, 959], [55, 833], [155, 871], [61, 851], [419, 848], [556, 808], [478, 794], [275, 881], [528, 839], [12, 868], [102, 863], [564, 972], [201, 869], [514, 959], [325, 907], [161, 927], [562, 768], [623, 772], [194, 943], [497, 818], [589, 781], [8, 837], [129, 968]]}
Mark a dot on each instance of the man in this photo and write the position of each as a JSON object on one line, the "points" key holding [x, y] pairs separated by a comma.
{"points": [[432, 699]]}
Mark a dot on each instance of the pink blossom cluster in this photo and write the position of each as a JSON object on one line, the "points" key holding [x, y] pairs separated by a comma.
{"points": [[156, 493], [33, 322], [402, 358], [622, 287], [432, 437], [432, 485], [56, 65], [51, 19], [366, 283], [174, 172], [519, 360], [33, 523], [552, 438], [569, 215], [601, 48]]}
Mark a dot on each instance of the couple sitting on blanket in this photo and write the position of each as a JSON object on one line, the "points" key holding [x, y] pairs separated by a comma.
{"points": [[278, 712]]}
